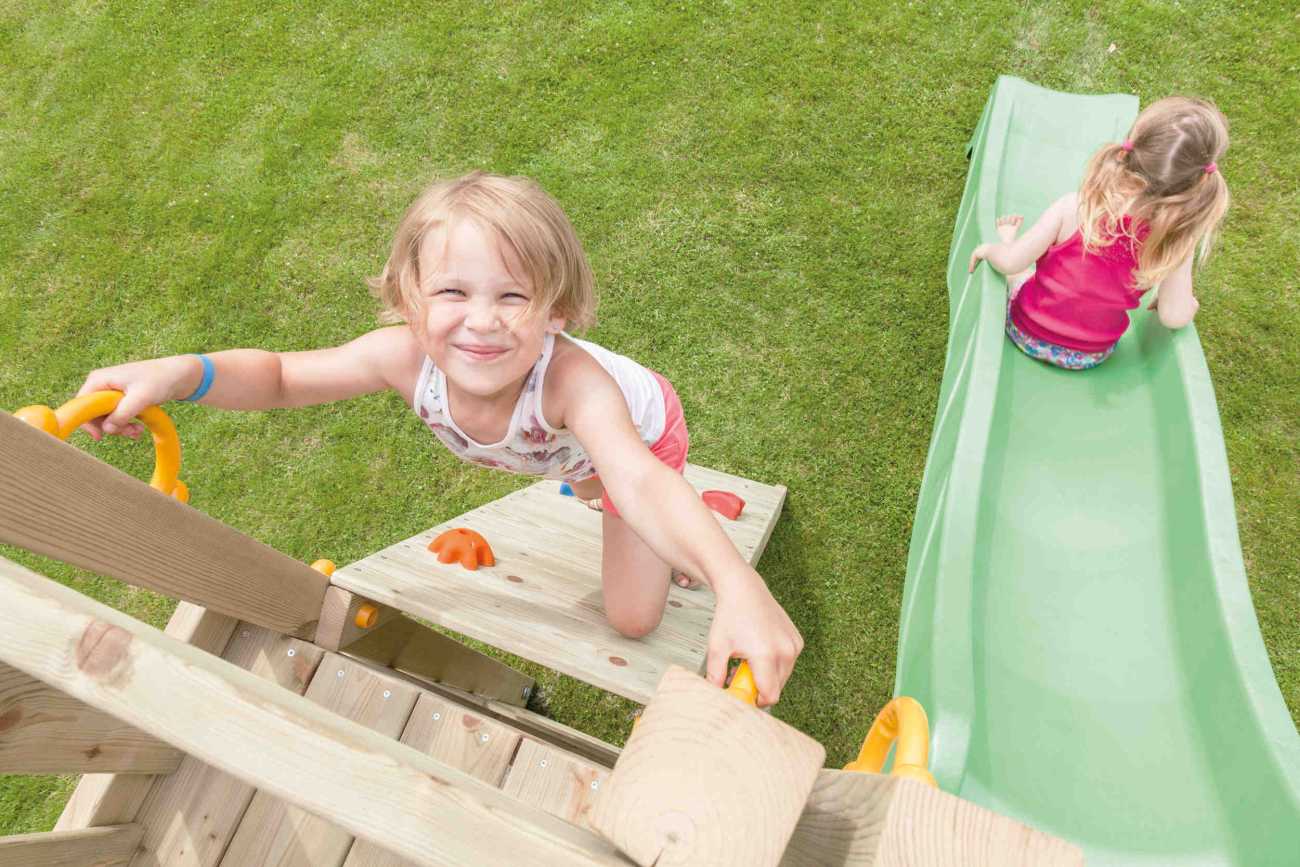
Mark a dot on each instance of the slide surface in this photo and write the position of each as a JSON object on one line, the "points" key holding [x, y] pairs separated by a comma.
{"points": [[1076, 619]]}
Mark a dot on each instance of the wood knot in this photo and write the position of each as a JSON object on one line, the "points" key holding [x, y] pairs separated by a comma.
{"points": [[10, 719], [102, 650], [618, 660], [515, 578]]}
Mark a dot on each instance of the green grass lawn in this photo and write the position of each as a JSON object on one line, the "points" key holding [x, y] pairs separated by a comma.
{"points": [[766, 193]]}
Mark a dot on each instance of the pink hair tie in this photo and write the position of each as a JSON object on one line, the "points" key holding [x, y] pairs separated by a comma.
{"points": [[1211, 168], [1128, 145]]}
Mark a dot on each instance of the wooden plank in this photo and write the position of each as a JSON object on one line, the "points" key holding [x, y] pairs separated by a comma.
{"points": [[557, 782], [870, 820], [411, 647], [109, 846], [190, 816], [59, 501], [466, 741], [44, 731], [542, 600], [369, 784], [706, 779], [274, 832], [109, 799], [540, 727]]}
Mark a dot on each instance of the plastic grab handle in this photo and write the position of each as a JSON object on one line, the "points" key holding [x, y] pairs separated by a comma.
{"points": [[902, 720], [742, 684], [76, 412]]}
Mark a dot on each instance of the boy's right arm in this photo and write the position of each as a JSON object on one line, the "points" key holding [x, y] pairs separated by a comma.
{"points": [[256, 379]]}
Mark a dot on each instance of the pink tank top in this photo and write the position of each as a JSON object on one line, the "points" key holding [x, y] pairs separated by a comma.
{"points": [[1077, 299]]}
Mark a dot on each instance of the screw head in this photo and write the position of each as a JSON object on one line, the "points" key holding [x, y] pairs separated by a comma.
{"points": [[483, 738], [388, 693], [595, 784], [543, 763], [340, 674], [436, 716], [292, 652]]}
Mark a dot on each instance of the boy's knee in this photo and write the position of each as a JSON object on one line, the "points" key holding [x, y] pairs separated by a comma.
{"points": [[632, 623]]}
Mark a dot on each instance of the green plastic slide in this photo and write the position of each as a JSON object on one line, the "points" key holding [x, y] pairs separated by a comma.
{"points": [[1076, 619]]}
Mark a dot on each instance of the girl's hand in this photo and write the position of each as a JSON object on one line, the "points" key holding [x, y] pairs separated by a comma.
{"points": [[750, 624], [980, 252], [143, 384]]}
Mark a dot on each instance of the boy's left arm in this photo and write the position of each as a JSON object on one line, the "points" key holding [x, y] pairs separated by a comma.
{"points": [[669, 516]]}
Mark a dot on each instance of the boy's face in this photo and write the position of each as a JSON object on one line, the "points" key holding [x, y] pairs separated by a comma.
{"points": [[473, 323]]}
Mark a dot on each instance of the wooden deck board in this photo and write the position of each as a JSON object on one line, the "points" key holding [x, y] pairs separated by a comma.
{"points": [[190, 815], [542, 599], [275, 832]]}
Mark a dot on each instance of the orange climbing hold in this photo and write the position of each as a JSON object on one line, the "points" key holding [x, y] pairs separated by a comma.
{"points": [[467, 546], [724, 503]]}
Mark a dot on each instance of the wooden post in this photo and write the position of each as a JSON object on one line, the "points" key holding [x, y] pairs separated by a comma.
{"points": [[59, 501], [859, 820], [285, 745], [706, 779]]}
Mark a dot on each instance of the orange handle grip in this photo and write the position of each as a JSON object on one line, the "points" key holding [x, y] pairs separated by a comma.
{"points": [[742, 684], [76, 412], [903, 721]]}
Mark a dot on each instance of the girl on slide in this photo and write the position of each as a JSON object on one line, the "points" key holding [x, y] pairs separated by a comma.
{"points": [[1144, 208], [484, 275]]}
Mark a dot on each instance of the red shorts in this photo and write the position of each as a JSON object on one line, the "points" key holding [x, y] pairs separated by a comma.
{"points": [[672, 445]]}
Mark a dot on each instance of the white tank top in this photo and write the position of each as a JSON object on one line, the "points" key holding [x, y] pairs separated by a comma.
{"points": [[531, 446]]}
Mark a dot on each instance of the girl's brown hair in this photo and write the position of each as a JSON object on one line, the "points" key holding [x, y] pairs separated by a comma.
{"points": [[524, 219], [1165, 178]]}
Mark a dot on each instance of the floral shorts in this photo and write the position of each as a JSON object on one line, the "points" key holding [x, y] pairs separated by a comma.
{"points": [[1051, 353]]}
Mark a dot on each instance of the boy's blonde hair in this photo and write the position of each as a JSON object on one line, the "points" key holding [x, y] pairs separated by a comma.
{"points": [[1164, 177], [524, 219]]}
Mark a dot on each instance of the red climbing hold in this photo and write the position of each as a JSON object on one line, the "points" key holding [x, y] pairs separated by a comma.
{"points": [[724, 503], [467, 546]]}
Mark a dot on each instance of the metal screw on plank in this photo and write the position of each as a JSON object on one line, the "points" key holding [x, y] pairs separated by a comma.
{"points": [[436, 716], [595, 784], [483, 738], [543, 763], [387, 693], [340, 672], [292, 651]]}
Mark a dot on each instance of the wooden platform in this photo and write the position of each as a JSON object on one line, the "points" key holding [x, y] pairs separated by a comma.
{"points": [[200, 816], [542, 600]]}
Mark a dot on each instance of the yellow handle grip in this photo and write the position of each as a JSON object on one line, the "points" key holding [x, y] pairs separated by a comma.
{"points": [[742, 684], [902, 720], [76, 412]]}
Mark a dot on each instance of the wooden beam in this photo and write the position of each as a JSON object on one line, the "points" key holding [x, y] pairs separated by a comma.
{"points": [[59, 501], [411, 647], [338, 626], [706, 779], [110, 846], [859, 820], [109, 799], [540, 727], [275, 832], [44, 731], [191, 815], [371, 785]]}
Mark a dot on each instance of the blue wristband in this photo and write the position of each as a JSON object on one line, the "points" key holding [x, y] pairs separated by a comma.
{"points": [[204, 384]]}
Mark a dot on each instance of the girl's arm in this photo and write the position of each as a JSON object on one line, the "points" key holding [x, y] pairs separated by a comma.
{"points": [[1175, 304], [256, 379], [666, 512], [1016, 256]]}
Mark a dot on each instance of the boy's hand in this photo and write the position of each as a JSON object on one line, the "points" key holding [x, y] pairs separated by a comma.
{"points": [[143, 384], [750, 624]]}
